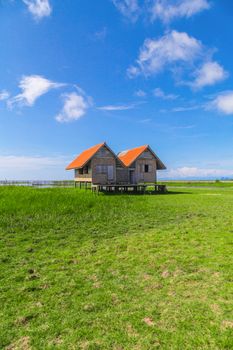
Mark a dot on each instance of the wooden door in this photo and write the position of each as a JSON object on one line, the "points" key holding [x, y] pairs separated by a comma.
{"points": [[132, 176], [110, 172]]}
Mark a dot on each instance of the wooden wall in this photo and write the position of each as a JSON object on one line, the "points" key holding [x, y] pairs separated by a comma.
{"points": [[98, 171], [140, 175], [103, 158], [122, 175]]}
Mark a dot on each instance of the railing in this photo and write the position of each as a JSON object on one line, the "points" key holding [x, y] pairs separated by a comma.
{"points": [[81, 177]]}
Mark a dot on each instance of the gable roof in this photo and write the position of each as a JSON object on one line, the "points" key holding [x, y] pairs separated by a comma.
{"points": [[84, 157], [129, 156]]}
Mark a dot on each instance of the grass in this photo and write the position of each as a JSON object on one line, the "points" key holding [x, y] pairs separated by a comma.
{"points": [[79, 271], [217, 183]]}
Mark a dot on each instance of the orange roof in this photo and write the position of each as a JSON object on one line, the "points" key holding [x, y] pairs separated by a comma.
{"points": [[129, 156], [84, 157]]}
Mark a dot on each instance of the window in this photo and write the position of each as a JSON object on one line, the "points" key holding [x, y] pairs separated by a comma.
{"points": [[85, 170], [101, 169], [105, 170], [110, 172], [148, 168]]}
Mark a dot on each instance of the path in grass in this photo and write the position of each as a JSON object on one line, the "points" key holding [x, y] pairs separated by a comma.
{"points": [[80, 271]]}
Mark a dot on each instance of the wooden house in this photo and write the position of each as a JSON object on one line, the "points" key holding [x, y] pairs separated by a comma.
{"points": [[142, 165], [96, 165], [99, 165]]}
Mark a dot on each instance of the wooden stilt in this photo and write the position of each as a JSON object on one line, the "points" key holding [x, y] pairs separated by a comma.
{"points": [[126, 188]]}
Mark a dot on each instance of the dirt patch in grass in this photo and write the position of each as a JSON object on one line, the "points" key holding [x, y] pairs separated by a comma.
{"points": [[149, 321], [227, 324], [21, 344]]}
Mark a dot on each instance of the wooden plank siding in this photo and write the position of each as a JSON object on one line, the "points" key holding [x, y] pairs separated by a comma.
{"points": [[121, 174], [100, 167], [146, 159], [105, 168]]}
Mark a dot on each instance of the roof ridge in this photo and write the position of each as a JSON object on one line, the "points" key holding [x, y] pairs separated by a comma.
{"points": [[85, 156], [129, 156]]}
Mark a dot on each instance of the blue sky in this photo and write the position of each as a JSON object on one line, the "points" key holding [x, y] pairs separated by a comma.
{"points": [[129, 72]]}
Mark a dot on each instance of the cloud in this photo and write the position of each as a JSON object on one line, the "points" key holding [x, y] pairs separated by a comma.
{"points": [[210, 73], [183, 108], [38, 8], [27, 162], [186, 108], [161, 94], [128, 8], [32, 86], [179, 53], [116, 107], [101, 34], [168, 10], [164, 10], [223, 103], [75, 106], [195, 172], [170, 49], [145, 121], [33, 167], [4, 95], [183, 127], [140, 93]]}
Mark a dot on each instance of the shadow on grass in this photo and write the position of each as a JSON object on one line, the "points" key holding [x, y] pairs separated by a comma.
{"points": [[142, 194], [178, 192]]}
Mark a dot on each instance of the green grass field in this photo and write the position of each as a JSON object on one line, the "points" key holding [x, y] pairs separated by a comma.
{"points": [[135, 272], [216, 183]]}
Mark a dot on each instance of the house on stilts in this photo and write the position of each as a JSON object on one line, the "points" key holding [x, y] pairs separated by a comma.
{"points": [[100, 166]]}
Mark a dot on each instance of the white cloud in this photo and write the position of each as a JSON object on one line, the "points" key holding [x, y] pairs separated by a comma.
{"points": [[164, 10], [168, 10], [186, 108], [183, 127], [140, 93], [116, 107], [101, 34], [210, 73], [27, 162], [194, 172], [133, 71], [33, 167], [128, 8], [161, 94], [223, 103], [38, 8], [4, 95], [75, 106], [179, 53], [145, 121], [170, 49], [32, 86]]}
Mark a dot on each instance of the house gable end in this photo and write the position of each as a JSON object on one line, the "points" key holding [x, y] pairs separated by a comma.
{"points": [[82, 159]]}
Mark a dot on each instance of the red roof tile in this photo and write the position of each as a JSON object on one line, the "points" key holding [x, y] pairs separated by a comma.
{"points": [[84, 157], [129, 156]]}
